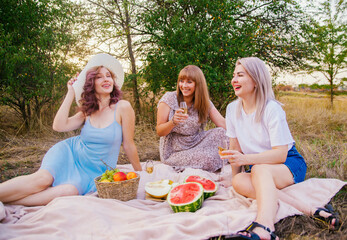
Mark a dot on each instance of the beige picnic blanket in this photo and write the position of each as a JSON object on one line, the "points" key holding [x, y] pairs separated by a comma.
{"points": [[90, 217]]}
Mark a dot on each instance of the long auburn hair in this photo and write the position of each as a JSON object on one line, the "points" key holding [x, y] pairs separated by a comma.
{"points": [[201, 99], [259, 73], [89, 101]]}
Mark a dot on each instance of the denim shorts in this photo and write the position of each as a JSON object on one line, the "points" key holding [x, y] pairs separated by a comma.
{"points": [[296, 164]]}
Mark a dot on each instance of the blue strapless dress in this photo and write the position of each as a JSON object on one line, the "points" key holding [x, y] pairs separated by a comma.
{"points": [[76, 160]]}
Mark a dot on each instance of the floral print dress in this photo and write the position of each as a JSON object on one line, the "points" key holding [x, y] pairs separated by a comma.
{"points": [[188, 144]]}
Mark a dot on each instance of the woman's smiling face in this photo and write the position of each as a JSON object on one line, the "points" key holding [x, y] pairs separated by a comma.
{"points": [[187, 87], [242, 82], [103, 81]]}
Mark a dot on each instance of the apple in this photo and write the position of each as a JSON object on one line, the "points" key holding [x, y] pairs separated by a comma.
{"points": [[119, 176]]}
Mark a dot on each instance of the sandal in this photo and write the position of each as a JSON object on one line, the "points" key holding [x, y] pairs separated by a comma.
{"points": [[253, 236], [328, 209]]}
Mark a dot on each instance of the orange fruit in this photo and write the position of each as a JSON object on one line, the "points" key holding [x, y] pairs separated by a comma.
{"points": [[131, 175], [119, 176]]}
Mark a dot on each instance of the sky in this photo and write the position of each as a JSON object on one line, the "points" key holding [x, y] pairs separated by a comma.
{"points": [[294, 80], [316, 77]]}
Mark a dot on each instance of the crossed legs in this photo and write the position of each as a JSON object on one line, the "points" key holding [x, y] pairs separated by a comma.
{"points": [[34, 189]]}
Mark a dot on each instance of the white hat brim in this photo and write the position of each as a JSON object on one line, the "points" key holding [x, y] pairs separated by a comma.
{"points": [[101, 59]]}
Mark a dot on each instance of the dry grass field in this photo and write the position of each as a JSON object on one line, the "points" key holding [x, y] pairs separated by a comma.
{"points": [[320, 134]]}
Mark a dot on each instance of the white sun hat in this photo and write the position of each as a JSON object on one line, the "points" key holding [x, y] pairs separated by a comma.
{"points": [[101, 59]]}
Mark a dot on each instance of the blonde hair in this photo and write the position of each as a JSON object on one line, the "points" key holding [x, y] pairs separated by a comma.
{"points": [[201, 99], [259, 73]]}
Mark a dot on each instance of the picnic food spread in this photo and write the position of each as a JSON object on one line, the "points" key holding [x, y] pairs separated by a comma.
{"points": [[186, 197], [210, 187]]}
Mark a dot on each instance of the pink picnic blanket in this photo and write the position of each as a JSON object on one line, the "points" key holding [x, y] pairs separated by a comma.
{"points": [[90, 217]]}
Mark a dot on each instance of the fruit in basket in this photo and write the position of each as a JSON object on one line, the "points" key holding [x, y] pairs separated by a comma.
{"points": [[158, 189], [108, 174], [210, 187], [105, 180], [186, 197], [119, 176], [131, 175]]}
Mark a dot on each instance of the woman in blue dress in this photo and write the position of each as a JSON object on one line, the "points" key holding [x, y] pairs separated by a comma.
{"points": [[70, 166]]}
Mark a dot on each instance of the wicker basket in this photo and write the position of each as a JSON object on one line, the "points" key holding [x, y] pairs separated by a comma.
{"points": [[122, 190]]}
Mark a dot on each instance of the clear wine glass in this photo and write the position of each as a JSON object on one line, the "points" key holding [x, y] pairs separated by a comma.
{"points": [[149, 166], [225, 146], [184, 107]]}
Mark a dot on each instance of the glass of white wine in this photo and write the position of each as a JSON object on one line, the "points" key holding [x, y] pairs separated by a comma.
{"points": [[184, 107], [149, 166], [224, 147]]}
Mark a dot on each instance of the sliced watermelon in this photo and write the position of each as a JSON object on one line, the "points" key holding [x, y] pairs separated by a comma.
{"points": [[210, 187], [186, 197]]}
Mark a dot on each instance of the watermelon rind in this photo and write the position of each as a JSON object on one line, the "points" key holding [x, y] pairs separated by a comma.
{"points": [[207, 193], [192, 206]]}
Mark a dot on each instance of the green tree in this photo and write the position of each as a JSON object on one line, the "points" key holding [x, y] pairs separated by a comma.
{"points": [[329, 37], [37, 39], [117, 32], [214, 34]]}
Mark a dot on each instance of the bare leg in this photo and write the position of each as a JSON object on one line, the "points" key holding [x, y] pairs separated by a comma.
{"points": [[243, 185], [263, 184], [47, 195], [23, 186], [301, 206]]}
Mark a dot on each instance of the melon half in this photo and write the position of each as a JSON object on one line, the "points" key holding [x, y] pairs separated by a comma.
{"points": [[158, 189]]}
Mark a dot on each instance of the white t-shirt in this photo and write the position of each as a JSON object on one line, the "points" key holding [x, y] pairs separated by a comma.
{"points": [[256, 137]]}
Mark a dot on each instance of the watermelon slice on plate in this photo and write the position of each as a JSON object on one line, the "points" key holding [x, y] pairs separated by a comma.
{"points": [[186, 197], [210, 187]]}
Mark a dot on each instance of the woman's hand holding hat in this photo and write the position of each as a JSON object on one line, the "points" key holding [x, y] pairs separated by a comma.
{"points": [[71, 82]]}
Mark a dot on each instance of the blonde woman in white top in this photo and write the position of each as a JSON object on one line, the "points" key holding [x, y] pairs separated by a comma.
{"points": [[260, 138]]}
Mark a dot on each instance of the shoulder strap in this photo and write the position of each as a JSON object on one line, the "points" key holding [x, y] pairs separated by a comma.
{"points": [[115, 109]]}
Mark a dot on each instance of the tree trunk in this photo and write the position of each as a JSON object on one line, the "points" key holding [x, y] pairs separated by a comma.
{"points": [[331, 93], [133, 64]]}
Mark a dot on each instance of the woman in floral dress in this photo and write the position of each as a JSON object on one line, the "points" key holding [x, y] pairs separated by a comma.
{"points": [[183, 140]]}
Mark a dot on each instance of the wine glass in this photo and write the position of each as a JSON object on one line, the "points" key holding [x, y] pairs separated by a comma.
{"points": [[149, 166], [225, 146], [184, 107]]}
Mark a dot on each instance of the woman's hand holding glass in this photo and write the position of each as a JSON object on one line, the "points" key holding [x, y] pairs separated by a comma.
{"points": [[180, 116], [235, 158]]}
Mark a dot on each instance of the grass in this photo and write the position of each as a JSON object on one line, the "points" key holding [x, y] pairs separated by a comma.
{"points": [[320, 135]]}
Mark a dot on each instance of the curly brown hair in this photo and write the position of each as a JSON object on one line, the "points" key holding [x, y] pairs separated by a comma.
{"points": [[89, 101]]}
